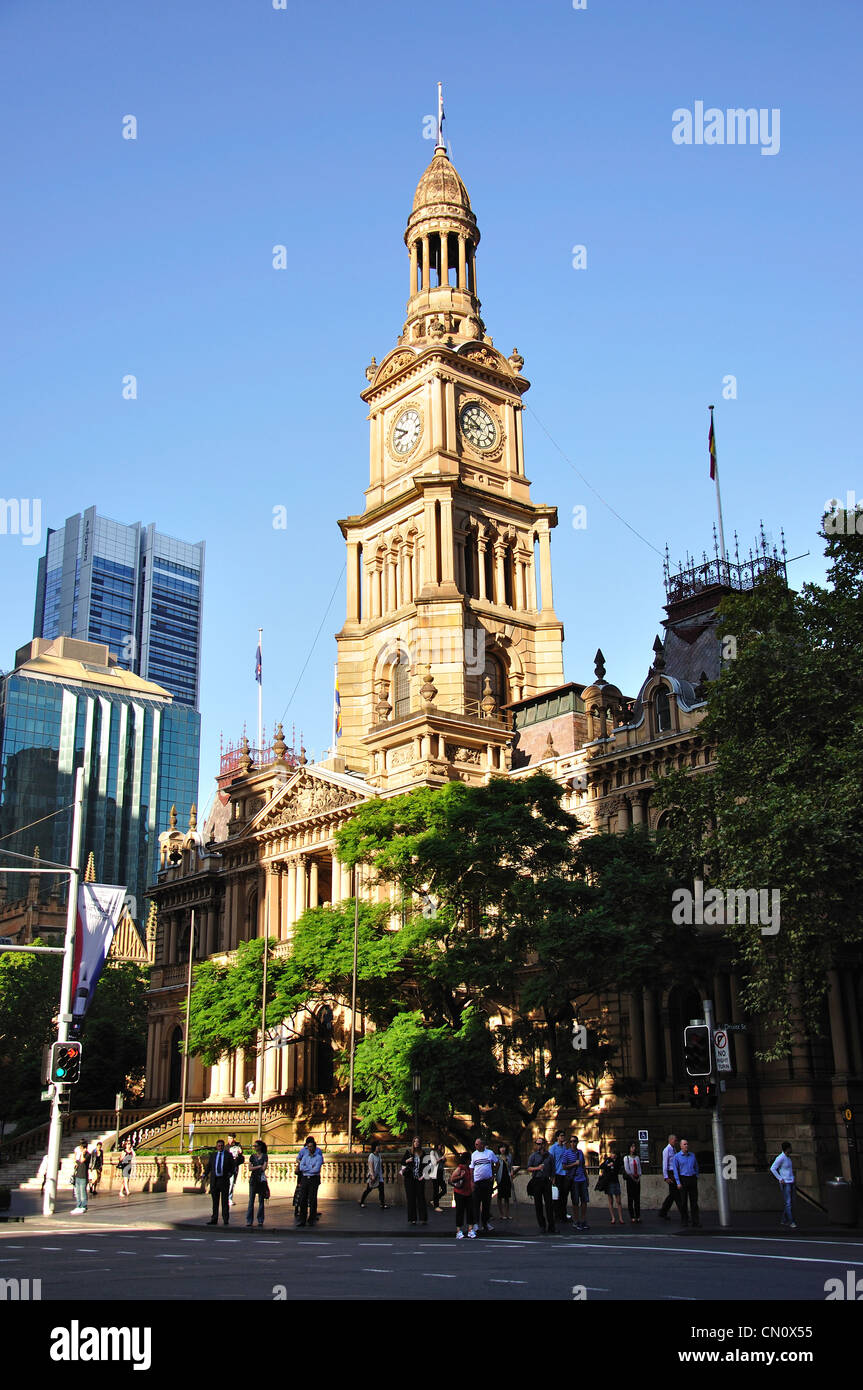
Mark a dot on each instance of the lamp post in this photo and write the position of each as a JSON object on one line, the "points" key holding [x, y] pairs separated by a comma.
{"points": [[416, 1083]]}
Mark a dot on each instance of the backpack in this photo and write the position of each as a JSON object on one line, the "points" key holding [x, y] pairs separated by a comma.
{"points": [[462, 1181]]}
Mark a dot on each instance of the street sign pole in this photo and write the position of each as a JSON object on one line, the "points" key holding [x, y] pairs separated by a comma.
{"points": [[56, 1129], [718, 1133]]}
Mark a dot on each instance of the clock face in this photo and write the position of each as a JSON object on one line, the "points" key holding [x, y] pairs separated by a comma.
{"points": [[406, 431], [478, 427]]}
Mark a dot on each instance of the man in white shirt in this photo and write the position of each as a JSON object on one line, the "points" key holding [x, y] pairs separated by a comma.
{"points": [[783, 1171], [670, 1177], [482, 1166]]}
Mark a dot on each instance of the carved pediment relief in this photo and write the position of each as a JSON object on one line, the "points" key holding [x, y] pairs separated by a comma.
{"points": [[394, 363], [486, 357], [306, 796]]}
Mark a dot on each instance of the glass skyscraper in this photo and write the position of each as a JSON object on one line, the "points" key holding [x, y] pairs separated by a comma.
{"points": [[130, 587], [68, 704]]}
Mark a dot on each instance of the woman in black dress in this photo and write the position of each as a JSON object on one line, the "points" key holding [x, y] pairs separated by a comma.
{"points": [[609, 1175], [413, 1165], [504, 1182]]}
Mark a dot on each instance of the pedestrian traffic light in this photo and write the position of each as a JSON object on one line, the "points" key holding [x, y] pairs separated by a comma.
{"points": [[696, 1049], [696, 1093], [66, 1063], [708, 1089]]}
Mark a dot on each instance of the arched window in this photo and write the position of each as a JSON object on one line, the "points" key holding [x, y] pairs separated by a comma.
{"points": [[663, 711], [401, 679]]}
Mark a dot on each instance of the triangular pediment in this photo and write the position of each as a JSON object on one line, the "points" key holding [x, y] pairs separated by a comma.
{"points": [[308, 793]]}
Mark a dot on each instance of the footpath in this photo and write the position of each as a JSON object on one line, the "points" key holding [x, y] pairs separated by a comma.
{"points": [[169, 1211]]}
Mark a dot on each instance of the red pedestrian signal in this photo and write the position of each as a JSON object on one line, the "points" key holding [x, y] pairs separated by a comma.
{"points": [[65, 1063]]}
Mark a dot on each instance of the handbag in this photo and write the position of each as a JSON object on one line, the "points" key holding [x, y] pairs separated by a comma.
{"points": [[265, 1190], [534, 1186], [601, 1183]]}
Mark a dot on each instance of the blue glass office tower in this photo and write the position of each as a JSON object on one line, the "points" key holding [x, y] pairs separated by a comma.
{"points": [[68, 704], [131, 587]]}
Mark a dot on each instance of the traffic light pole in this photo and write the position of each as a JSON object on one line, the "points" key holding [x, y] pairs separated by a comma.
{"points": [[718, 1132], [56, 1129]]}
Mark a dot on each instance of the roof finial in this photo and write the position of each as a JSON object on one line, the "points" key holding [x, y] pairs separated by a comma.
{"points": [[440, 120], [599, 665]]}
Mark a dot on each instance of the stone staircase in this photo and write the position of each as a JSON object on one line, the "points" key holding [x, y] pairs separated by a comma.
{"points": [[24, 1172]]}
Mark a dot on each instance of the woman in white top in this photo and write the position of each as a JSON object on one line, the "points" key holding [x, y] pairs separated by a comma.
{"points": [[632, 1174]]}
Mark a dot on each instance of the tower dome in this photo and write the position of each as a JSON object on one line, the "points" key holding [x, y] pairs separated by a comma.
{"points": [[442, 237]]}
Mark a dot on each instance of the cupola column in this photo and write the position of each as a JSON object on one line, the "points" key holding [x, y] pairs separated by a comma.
{"points": [[426, 265], [413, 267], [462, 268]]}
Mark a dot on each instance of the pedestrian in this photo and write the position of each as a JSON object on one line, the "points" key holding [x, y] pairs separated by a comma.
{"points": [[561, 1179], [579, 1186], [673, 1199], [686, 1173], [482, 1163], [249, 1091], [609, 1175], [235, 1149], [258, 1185], [310, 1161], [783, 1171], [461, 1182], [80, 1175], [632, 1172], [504, 1182], [540, 1165], [412, 1169], [97, 1160], [126, 1166], [219, 1170], [436, 1170], [374, 1176]]}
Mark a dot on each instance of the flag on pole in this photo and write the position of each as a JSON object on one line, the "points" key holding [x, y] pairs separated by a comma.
{"points": [[258, 664], [711, 445], [100, 906], [338, 710]]}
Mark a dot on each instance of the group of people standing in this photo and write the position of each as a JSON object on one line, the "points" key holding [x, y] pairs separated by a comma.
{"points": [[224, 1168]]}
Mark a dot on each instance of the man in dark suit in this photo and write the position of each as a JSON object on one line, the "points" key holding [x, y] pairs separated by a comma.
{"points": [[220, 1170]]}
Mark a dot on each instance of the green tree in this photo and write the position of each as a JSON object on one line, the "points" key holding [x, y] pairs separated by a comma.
{"points": [[114, 1035], [29, 999], [780, 810]]}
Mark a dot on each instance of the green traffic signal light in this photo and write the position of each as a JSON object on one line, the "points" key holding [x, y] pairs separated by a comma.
{"points": [[66, 1063]]}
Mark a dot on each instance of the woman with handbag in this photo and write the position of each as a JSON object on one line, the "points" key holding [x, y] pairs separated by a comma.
{"points": [[126, 1165], [540, 1165], [504, 1182], [632, 1176], [258, 1185], [462, 1189], [609, 1176]]}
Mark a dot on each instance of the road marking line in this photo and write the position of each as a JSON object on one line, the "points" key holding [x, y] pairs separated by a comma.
{"points": [[727, 1254], [440, 1276], [507, 1281], [806, 1240], [679, 1298], [366, 1244], [86, 1250], [170, 1257], [192, 1237], [335, 1257], [366, 1270], [50, 1247]]}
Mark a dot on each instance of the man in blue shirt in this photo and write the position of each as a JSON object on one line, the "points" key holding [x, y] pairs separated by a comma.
{"points": [[559, 1153], [309, 1163], [576, 1168], [686, 1176], [782, 1169]]}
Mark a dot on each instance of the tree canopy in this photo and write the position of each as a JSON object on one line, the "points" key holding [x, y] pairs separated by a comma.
{"points": [[781, 807]]}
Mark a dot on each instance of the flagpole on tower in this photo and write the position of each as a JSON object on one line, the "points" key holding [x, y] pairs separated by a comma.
{"points": [[714, 473], [440, 116], [260, 678]]}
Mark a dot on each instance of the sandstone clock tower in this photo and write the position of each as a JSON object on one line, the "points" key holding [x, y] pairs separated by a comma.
{"points": [[449, 594]]}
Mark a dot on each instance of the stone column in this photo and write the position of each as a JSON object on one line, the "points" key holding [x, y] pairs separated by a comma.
{"points": [[853, 1022], [545, 568], [480, 564], [336, 871], [450, 432], [436, 390], [302, 885], [838, 1035], [531, 582], [375, 452], [519, 441], [353, 606], [637, 802], [430, 544], [392, 596], [499, 581], [289, 897], [313, 883], [636, 1035], [651, 1036], [446, 541], [413, 268], [623, 815]]}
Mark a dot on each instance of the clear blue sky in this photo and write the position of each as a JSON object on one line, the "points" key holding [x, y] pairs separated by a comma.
{"points": [[304, 127]]}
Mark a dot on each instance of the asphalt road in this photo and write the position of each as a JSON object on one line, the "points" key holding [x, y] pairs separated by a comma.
{"points": [[233, 1264]]}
